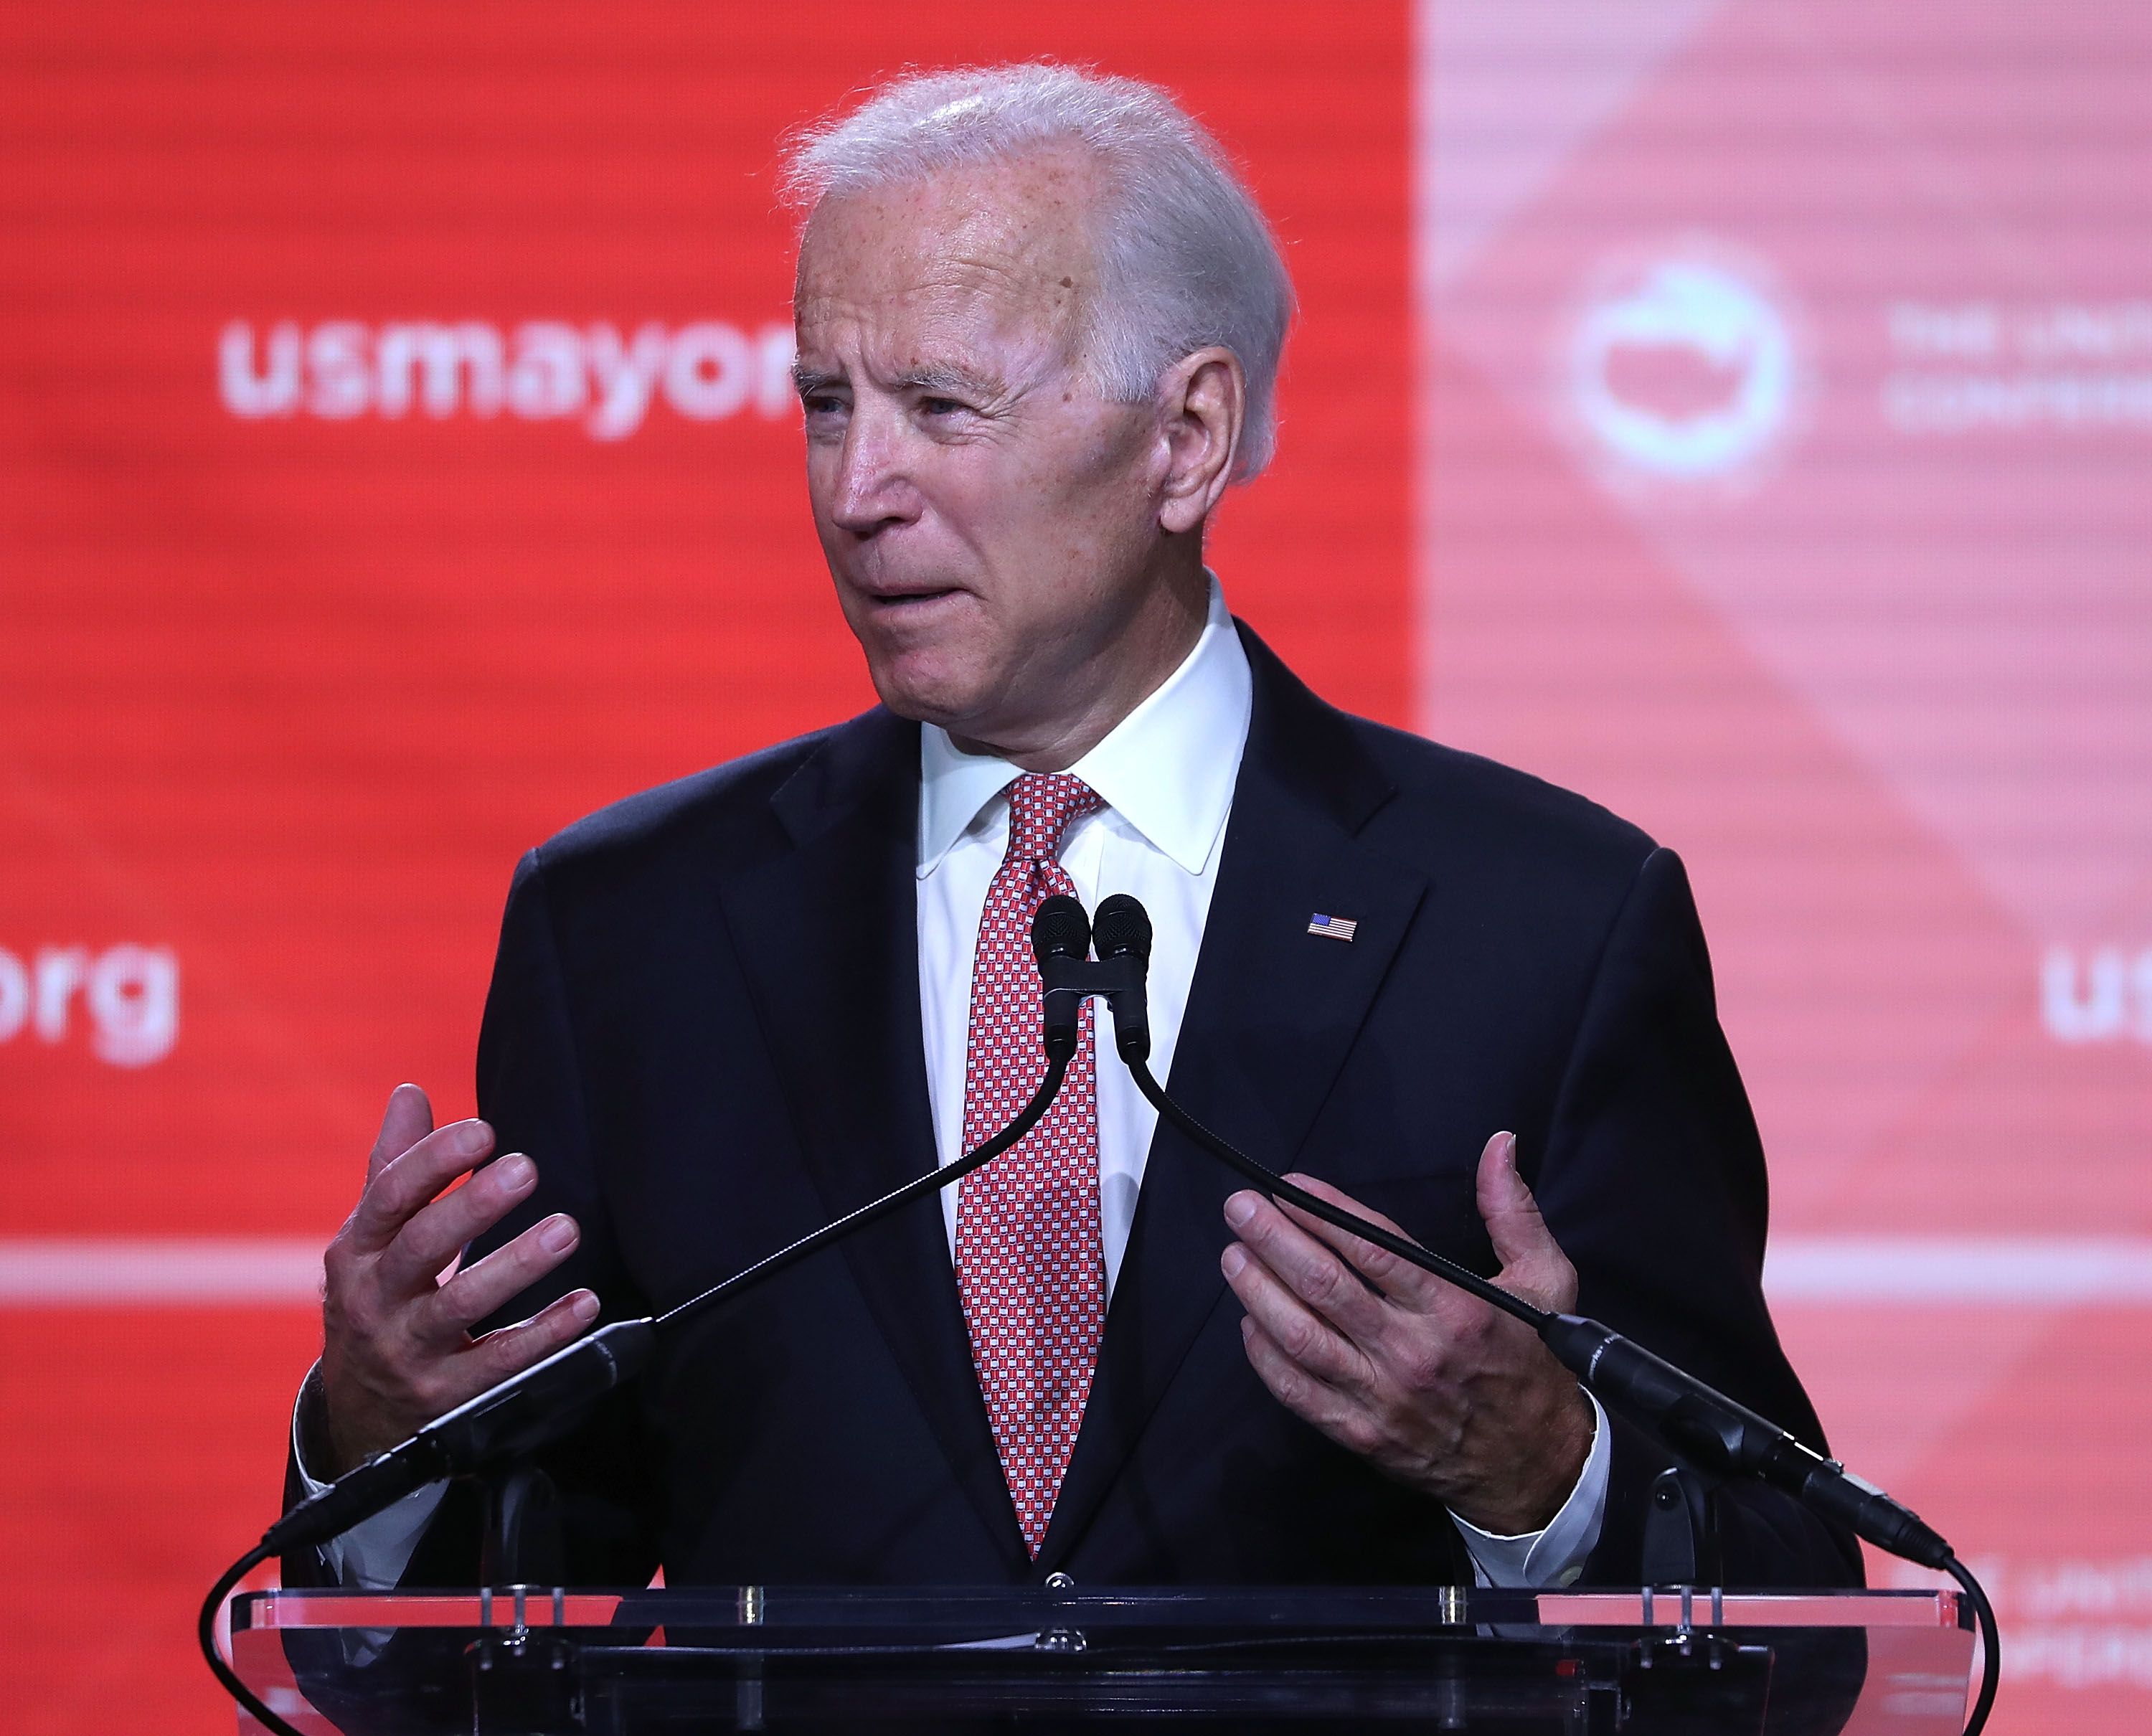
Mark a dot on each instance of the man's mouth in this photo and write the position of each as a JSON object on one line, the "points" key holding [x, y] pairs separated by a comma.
{"points": [[908, 600]]}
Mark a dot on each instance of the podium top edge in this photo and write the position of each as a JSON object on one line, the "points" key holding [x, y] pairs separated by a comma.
{"points": [[963, 1607]]}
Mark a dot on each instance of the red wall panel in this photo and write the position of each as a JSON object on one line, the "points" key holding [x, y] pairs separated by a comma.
{"points": [[389, 475]]}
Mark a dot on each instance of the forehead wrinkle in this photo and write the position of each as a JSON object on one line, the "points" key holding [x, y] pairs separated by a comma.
{"points": [[930, 375], [946, 288], [928, 341], [1018, 237]]}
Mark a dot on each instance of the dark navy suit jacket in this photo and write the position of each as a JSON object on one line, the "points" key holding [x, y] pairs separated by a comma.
{"points": [[704, 1025]]}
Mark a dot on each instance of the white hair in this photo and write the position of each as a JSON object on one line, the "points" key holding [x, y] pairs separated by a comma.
{"points": [[1185, 257]]}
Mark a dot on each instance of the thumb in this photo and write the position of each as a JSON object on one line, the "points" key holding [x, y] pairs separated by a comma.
{"points": [[1533, 1264], [409, 1117]]}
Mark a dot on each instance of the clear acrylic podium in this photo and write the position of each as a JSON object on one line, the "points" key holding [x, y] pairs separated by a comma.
{"points": [[511, 1662]]}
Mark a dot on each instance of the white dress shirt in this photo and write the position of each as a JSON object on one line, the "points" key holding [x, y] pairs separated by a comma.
{"points": [[1166, 773]]}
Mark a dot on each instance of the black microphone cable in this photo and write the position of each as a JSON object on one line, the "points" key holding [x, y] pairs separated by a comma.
{"points": [[528, 1409], [206, 1632], [1696, 1420], [1991, 1644]]}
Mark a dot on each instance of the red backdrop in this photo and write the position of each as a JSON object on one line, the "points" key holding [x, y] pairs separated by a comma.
{"points": [[1787, 477], [1741, 412], [389, 476]]}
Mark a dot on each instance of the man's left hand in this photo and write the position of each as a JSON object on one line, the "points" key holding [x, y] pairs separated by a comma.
{"points": [[1430, 1385]]}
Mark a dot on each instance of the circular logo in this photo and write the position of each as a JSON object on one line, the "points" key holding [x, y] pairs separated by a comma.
{"points": [[1682, 367]]}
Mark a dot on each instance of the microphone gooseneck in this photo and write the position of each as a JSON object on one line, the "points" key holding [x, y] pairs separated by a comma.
{"points": [[1712, 1431], [1315, 1205], [919, 1188], [528, 1409], [1702, 1424], [542, 1402]]}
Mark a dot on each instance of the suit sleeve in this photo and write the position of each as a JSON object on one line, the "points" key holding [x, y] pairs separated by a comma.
{"points": [[532, 1089], [1652, 1181]]}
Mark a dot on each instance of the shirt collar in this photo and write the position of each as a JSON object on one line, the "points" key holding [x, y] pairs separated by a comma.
{"points": [[1167, 769]]}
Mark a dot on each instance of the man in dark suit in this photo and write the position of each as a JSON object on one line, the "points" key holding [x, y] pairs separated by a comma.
{"points": [[1038, 328]]}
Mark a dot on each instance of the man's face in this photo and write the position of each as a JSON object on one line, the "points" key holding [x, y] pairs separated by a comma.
{"points": [[990, 519]]}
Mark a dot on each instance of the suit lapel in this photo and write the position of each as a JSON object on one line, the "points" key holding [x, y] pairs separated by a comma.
{"points": [[827, 933], [1272, 1012]]}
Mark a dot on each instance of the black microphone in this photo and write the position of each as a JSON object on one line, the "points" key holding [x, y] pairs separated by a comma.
{"points": [[1061, 938], [1123, 934], [523, 1412], [1719, 1434], [1061, 935]]}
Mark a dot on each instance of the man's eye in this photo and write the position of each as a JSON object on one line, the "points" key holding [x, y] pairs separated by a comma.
{"points": [[821, 404], [942, 406]]}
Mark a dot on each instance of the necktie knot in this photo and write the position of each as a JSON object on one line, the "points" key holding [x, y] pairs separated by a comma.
{"points": [[1041, 806]]}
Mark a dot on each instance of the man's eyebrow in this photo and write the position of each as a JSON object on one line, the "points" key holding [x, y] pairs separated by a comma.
{"points": [[929, 376], [946, 377]]}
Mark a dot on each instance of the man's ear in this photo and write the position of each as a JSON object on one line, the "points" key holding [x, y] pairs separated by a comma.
{"points": [[1203, 406]]}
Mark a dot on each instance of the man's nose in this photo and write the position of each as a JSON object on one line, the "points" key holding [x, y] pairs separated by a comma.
{"points": [[873, 490]]}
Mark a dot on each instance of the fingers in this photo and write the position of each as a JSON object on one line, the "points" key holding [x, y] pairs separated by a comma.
{"points": [[1311, 1270], [1533, 1264], [432, 1235], [1399, 1280], [1290, 1325], [484, 1288], [396, 1346], [406, 1182], [429, 1388], [1428, 1382], [1313, 1401], [514, 1348], [408, 1118]]}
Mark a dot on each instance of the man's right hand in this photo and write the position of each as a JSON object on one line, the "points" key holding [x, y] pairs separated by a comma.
{"points": [[397, 1349]]}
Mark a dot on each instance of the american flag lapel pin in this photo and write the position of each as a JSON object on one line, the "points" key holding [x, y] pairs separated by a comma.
{"points": [[1332, 928]]}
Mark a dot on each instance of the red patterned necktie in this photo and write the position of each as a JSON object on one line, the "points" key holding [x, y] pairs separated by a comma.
{"points": [[1030, 1266]]}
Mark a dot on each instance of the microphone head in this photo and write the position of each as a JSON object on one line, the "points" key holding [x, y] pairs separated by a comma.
{"points": [[1124, 926], [1060, 929]]}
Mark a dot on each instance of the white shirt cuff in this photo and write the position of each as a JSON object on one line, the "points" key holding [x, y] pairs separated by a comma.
{"points": [[1535, 1561], [372, 1555]]}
